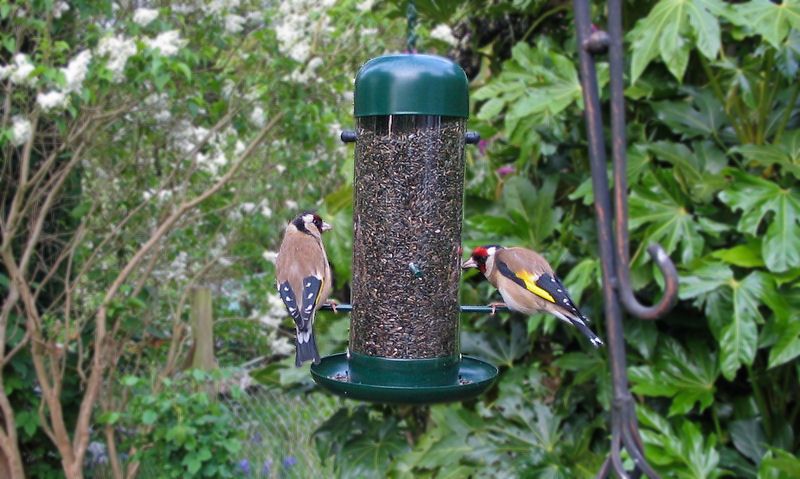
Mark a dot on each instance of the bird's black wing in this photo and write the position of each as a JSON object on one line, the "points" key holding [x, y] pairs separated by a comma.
{"points": [[553, 286], [311, 288], [290, 301]]}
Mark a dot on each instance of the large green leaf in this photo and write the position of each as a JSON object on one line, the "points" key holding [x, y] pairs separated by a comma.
{"points": [[665, 214], [785, 154], [671, 29], [697, 172], [768, 19], [687, 378], [779, 464], [686, 451], [738, 337], [756, 197], [704, 116], [748, 438], [787, 346], [371, 455]]}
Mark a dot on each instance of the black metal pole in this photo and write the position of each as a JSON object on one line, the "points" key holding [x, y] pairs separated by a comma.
{"points": [[614, 261]]}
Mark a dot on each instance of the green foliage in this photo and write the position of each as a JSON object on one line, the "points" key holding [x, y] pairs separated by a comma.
{"points": [[183, 428], [713, 126]]}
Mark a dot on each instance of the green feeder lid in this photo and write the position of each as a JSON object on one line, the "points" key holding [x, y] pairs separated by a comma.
{"points": [[411, 84]]}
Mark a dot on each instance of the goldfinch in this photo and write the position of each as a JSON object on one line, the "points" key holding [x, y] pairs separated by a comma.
{"points": [[304, 279], [527, 283]]}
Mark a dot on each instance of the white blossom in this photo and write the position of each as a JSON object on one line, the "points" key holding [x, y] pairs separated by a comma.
{"points": [[313, 64], [76, 70], [247, 207], [271, 256], [266, 211], [22, 70], [444, 33], [162, 116], [145, 16], [291, 204], [59, 9], [218, 6], [365, 6], [167, 43], [21, 130], [119, 49], [280, 169], [51, 100], [5, 71], [234, 23], [281, 346], [257, 117]]}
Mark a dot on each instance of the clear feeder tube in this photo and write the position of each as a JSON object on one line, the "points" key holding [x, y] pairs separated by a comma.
{"points": [[409, 188]]}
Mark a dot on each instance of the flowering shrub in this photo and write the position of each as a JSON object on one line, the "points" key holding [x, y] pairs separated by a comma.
{"points": [[145, 151]]}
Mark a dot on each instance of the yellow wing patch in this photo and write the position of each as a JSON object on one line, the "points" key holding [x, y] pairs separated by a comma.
{"points": [[530, 285]]}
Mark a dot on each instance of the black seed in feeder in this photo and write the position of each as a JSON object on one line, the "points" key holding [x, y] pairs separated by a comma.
{"points": [[411, 115]]}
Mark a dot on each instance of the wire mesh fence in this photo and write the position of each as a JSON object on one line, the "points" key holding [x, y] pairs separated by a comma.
{"points": [[278, 428]]}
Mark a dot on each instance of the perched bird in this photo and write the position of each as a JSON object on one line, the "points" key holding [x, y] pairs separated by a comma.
{"points": [[304, 279], [527, 283]]}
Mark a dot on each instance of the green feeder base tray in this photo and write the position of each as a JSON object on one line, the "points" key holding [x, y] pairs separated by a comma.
{"points": [[474, 377]]}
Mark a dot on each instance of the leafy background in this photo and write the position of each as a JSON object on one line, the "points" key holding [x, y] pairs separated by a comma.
{"points": [[714, 159]]}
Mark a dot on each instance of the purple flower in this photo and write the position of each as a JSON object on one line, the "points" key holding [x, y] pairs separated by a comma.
{"points": [[483, 145], [289, 461], [244, 466], [265, 469], [506, 170]]}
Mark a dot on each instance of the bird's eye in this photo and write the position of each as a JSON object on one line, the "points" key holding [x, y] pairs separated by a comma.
{"points": [[318, 222]]}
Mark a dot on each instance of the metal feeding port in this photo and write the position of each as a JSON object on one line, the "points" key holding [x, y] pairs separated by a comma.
{"points": [[411, 112]]}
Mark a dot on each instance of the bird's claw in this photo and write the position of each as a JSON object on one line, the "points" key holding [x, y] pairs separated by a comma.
{"points": [[332, 304], [495, 306]]}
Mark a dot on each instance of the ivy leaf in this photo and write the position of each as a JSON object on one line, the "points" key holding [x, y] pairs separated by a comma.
{"points": [[756, 197], [687, 378], [668, 31], [371, 454], [770, 20]]}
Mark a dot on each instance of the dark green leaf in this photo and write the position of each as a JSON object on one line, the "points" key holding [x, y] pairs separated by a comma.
{"points": [[748, 438], [787, 347]]}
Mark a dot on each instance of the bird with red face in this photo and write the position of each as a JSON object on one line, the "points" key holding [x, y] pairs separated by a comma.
{"points": [[528, 285], [304, 279]]}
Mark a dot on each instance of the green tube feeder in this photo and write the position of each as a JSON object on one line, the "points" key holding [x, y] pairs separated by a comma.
{"points": [[411, 113]]}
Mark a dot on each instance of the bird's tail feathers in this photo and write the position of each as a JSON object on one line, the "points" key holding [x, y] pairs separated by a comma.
{"points": [[306, 348], [584, 329]]}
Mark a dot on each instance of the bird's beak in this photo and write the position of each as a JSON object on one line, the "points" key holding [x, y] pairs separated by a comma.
{"points": [[326, 226], [470, 263]]}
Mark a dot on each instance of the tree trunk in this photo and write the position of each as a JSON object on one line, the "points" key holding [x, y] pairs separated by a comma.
{"points": [[203, 330]]}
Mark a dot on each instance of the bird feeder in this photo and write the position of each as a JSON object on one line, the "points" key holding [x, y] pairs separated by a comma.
{"points": [[411, 113]]}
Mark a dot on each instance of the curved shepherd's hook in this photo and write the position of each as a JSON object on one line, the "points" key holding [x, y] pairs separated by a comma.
{"points": [[618, 151], [614, 253]]}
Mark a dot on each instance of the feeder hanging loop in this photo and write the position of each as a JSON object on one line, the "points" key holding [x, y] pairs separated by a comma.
{"points": [[411, 38]]}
